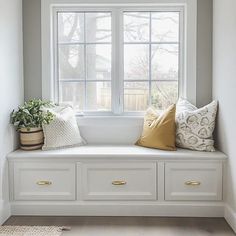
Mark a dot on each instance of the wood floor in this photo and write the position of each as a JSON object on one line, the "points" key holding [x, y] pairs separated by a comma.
{"points": [[131, 226]]}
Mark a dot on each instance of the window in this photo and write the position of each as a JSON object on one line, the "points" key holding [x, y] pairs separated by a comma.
{"points": [[118, 61], [151, 59], [84, 55]]}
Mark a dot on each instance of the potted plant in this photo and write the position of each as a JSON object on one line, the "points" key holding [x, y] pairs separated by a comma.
{"points": [[28, 120]]}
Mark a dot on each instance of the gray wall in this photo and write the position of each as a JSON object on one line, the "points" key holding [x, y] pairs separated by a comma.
{"points": [[32, 48], [224, 85], [204, 52], [11, 89], [32, 53]]}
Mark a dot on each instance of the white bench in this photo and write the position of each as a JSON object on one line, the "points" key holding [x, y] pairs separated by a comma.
{"points": [[112, 180]]}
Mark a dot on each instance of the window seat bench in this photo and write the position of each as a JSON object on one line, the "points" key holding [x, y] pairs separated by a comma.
{"points": [[112, 180]]}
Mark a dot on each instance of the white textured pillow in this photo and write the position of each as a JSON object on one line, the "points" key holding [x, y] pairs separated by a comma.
{"points": [[63, 131], [194, 127]]}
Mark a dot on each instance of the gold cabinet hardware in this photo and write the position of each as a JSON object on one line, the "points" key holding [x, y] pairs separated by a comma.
{"points": [[192, 183], [44, 182], [118, 182]]}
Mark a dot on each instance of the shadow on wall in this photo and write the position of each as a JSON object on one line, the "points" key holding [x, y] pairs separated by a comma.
{"points": [[222, 144]]}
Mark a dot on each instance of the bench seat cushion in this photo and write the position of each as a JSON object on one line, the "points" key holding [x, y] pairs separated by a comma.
{"points": [[114, 152]]}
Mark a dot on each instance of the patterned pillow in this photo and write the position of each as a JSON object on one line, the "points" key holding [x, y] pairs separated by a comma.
{"points": [[194, 127], [63, 131]]}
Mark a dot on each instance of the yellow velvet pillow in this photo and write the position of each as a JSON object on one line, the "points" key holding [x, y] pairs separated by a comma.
{"points": [[159, 130]]}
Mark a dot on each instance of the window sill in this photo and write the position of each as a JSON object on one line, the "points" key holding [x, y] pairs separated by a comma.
{"points": [[114, 120], [110, 115]]}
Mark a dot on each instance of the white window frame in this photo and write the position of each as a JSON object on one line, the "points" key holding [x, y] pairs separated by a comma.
{"points": [[187, 50]]}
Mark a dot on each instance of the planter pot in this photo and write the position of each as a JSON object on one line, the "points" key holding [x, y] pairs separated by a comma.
{"points": [[31, 139]]}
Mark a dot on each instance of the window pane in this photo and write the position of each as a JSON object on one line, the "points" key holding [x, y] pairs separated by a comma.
{"points": [[71, 62], [165, 60], [136, 26], [72, 93], [99, 96], [136, 62], [164, 94], [70, 27], [165, 26], [99, 61], [98, 27], [136, 96]]}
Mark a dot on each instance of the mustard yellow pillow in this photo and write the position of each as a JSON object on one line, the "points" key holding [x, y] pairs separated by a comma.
{"points": [[159, 130]]}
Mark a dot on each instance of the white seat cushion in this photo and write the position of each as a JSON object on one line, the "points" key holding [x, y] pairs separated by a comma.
{"points": [[115, 153]]}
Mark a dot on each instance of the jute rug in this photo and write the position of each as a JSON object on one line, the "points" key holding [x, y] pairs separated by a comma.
{"points": [[30, 231]]}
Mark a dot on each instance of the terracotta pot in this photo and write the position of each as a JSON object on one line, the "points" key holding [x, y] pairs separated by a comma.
{"points": [[31, 139]]}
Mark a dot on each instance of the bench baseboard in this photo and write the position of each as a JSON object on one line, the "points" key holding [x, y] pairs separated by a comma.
{"points": [[119, 209]]}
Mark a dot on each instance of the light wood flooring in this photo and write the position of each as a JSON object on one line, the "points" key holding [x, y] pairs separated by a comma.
{"points": [[130, 226]]}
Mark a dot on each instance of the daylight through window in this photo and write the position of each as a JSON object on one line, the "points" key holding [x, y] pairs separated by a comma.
{"points": [[148, 68]]}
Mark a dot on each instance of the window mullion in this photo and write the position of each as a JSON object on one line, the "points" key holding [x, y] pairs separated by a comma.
{"points": [[56, 84], [150, 59], [116, 61], [182, 88], [121, 61], [85, 65]]}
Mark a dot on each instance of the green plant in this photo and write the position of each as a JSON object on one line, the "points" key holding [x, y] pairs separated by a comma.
{"points": [[31, 114]]}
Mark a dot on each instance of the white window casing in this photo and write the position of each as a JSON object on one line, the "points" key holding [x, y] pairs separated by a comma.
{"points": [[187, 42]]}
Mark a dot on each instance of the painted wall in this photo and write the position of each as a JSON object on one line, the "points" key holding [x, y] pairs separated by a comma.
{"points": [[204, 52], [11, 89], [224, 86], [32, 50]]}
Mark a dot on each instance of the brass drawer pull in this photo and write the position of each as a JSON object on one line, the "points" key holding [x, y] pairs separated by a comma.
{"points": [[119, 182], [192, 183], [44, 182]]}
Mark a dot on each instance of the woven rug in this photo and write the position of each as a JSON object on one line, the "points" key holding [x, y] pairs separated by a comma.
{"points": [[30, 231]]}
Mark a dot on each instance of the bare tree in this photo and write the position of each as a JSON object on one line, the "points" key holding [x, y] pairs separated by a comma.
{"points": [[71, 28]]}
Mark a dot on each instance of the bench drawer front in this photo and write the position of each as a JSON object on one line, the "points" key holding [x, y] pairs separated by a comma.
{"points": [[193, 181], [119, 181], [44, 181]]}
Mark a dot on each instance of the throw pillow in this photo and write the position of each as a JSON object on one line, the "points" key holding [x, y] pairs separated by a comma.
{"points": [[194, 127], [159, 130], [63, 131]]}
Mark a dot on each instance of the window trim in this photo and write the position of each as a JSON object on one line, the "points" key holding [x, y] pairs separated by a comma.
{"points": [[187, 87]]}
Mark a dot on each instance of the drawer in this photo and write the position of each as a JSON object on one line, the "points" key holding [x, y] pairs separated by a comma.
{"points": [[118, 181], [193, 181], [44, 181]]}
